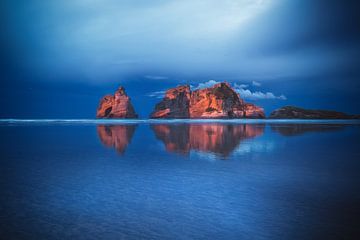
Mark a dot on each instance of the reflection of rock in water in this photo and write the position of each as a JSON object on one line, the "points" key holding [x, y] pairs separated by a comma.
{"points": [[117, 136], [298, 129], [175, 137], [221, 139]]}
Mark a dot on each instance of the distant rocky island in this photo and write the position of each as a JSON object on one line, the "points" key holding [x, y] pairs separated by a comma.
{"points": [[291, 112], [220, 101]]}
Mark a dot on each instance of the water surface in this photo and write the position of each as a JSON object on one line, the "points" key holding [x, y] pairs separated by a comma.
{"points": [[179, 179]]}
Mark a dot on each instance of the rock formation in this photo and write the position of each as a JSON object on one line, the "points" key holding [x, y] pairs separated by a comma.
{"points": [[291, 112], [117, 136], [175, 104], [116, 106], [218, 101], [220, 139]]}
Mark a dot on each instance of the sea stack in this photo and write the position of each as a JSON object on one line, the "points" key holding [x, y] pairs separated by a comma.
{"points": [[175, 104], [116, 106], [218, 101]]}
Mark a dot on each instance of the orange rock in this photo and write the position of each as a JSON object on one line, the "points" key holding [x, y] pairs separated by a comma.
{"points": [[175, 104], [253, 111], [116, 106], [218, 101]]}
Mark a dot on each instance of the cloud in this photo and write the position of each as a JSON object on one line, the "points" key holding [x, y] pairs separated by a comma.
{"points": [[112, 39], [243, 85], [107, 40], [156, 77], [257, 95], [157, 94], [207, 84], [256, 84]]}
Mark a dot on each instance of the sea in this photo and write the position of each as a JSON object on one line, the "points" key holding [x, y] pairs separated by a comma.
{"points": [[179, 179]]}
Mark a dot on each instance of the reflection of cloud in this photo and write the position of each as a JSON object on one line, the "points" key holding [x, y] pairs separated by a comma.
{"points": [[117, 136], [220, 139], [254, 146], [208, 156]]}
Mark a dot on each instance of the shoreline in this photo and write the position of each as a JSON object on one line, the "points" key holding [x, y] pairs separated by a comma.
{"points": [[175, 121]]}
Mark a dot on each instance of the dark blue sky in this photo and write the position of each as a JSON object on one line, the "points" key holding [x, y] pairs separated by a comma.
{"points": [[59, 57]]}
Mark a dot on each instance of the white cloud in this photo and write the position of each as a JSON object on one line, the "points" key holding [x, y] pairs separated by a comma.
{"points": [[257, 95], [243, 85], [156, 77], [157, 94], [207, 84], [256, 84]]}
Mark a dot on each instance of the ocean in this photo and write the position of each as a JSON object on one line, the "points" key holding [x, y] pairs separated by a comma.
{"points": [[179, 179]]}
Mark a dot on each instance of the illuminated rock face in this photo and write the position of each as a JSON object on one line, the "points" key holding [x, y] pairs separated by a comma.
{"points": [[215, 138], [174, 105], [116, 106], [218, 101], [117, 136]]}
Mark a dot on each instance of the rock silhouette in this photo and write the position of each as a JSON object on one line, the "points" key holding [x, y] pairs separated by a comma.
{"points": [[291, 112]]}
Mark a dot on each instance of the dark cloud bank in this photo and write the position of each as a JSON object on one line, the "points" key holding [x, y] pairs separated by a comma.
{"points": [[59, 57]]}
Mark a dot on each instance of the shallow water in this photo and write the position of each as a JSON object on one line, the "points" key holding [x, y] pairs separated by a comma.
{"points": [[85, 179]]}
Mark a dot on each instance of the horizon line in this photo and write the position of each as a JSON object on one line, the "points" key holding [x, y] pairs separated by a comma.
{"points": [[174, 121]]}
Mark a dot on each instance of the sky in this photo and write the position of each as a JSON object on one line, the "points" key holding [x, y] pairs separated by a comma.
{"points": [[58, 58]]}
